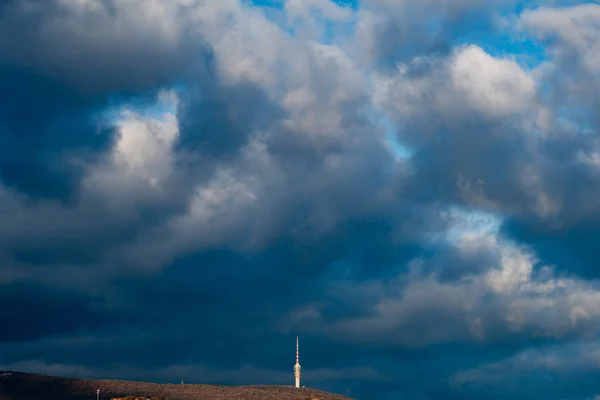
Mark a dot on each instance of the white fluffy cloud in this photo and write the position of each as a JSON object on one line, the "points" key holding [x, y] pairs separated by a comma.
{"points": [[573, 32], [492, 87]]}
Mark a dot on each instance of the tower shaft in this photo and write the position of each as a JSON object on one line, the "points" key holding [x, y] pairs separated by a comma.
{"points": [[297, 367]]}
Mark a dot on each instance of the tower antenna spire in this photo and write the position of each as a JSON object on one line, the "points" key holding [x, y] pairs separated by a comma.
{"points": [[297, 367]]}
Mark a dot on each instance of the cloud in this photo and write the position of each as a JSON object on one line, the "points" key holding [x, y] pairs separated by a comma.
{"points": [[95, 46], [390, 32], [512, 296], [209, 179], [556, 365], [569, 173], [64, 62]]}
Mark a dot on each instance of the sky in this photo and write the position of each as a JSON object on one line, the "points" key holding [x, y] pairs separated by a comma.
{"points": [[408, 186]]}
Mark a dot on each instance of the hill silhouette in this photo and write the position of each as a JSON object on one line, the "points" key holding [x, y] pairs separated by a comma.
{"points": [[24, 386]]}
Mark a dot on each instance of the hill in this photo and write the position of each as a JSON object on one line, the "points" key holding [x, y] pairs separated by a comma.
{"points": [[23, 386]]}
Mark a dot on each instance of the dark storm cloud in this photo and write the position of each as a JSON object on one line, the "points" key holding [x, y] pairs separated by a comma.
{"points": [[100, 48], [32, 312], [556, 365], [79, 242], [74, 61], [201, 308], [61, 65], [573, 251], [546, 184], [219, 121], [198, 244], [190, 317], [44, 122], [489, 151], [570, 173]]}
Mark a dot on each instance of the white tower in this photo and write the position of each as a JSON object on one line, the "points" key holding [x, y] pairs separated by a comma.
{"points": [[297, 367]]}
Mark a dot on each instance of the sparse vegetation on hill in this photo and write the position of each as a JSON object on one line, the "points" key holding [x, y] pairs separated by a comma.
{"points": [[22, 386]]}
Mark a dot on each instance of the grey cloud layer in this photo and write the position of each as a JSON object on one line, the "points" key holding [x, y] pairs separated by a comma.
{"points": [[267, 202]]}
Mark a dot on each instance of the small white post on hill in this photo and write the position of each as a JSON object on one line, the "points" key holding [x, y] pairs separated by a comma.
{"points": [[97, 394], [297, 367]]}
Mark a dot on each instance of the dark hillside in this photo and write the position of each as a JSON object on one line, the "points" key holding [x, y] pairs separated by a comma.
{"points": [[22, 386]]}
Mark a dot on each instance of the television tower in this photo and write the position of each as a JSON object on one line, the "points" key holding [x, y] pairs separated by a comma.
{"points": [[297, 367]]}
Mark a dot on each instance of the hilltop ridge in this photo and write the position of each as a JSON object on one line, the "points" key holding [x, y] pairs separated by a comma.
{"points": [[26, 386]]}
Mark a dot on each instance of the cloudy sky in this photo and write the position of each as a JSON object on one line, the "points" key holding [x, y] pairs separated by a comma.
{"points": [[410, 186]]}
